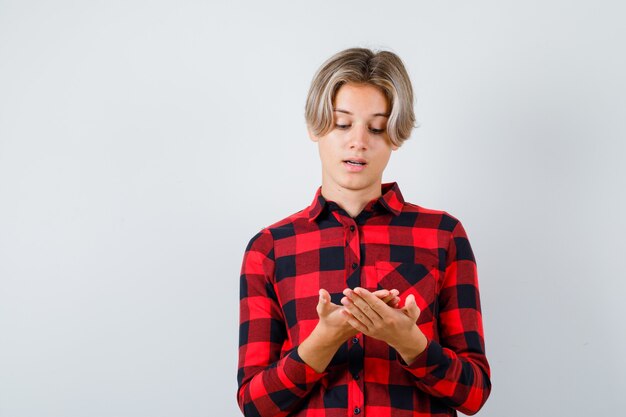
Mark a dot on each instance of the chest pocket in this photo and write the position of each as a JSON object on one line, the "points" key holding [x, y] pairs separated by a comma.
{"points": [[411, 278]]}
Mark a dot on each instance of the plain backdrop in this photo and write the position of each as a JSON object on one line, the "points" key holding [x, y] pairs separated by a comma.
{"points": [[143, 143]]}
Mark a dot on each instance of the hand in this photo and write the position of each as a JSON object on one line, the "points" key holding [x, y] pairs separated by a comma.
{"points": [[333, 329], [367, 313], [334, 324]]}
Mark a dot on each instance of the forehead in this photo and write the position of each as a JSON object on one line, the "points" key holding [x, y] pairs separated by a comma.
{"points": [[364, 99]]}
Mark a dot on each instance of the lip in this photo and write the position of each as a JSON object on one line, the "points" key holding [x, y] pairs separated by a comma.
{"points": [[356, 160], [354, 168]]}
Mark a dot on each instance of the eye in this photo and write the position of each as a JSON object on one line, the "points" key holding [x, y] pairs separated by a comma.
{"points": [[377, 131], [340, 126]]}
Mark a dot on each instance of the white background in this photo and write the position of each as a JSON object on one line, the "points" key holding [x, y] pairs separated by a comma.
{"points": [[143, 143]]}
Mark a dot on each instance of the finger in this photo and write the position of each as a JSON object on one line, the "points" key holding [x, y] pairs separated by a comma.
{"points": [[394, 303], [364, 306], [356, 324], [356, 312], [324, 302], [382, 293], [393, 294], [411, 308], [388, 298], [370, 305]]}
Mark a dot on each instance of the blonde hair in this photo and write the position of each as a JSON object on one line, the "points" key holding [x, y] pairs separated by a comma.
{"points": [[382, 69]]}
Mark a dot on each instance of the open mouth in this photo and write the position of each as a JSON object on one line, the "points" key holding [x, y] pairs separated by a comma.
{"points": [[355, 163]]}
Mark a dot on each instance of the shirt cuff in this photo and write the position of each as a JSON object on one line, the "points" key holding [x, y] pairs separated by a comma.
{"points": [[301, 375], [427, 361]]}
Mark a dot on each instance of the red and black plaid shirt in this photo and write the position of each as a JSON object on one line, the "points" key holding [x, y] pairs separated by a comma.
{"points": [[390, 244]]}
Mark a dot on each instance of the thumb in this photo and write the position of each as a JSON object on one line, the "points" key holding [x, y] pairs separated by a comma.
{"points": [[411, 308], [324, 302]]}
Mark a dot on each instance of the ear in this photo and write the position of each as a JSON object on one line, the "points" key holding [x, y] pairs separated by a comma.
{"points": [[312, 136], [394, 147]]}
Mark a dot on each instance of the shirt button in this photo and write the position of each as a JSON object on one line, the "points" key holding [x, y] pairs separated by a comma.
{"points": [[357, 410], [352, 228], [355, 340], [354, 265], [356, 377]]}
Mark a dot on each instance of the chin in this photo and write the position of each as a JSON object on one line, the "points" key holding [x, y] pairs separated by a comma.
{"points": [[359, 184]]}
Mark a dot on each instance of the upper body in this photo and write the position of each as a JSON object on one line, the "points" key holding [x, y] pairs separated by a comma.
{"points": [[360, 304]]}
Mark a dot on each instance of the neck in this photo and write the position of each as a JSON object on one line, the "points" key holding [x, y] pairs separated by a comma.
{"points": [[352, 201]]}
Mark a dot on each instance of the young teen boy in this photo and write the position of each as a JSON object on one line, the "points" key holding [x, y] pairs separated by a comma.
{"points": [[362, 303]]}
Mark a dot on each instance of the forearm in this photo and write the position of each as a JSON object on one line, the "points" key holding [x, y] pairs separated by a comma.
{"points": [[294, 376], [411, 346], [318, 349], [460, 380], [271, 383], [453, 367], [277, 389]]}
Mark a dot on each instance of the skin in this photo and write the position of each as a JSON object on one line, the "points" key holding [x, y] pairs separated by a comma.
{"points": [[359, 132], [396, 327], [360, 121], [334, 329]]}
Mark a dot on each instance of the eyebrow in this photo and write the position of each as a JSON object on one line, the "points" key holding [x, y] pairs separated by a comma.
{"points": [[375, 114]]}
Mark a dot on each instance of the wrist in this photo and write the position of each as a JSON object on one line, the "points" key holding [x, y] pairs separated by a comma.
{"points": [[318, 349], [326, 337], [411, 347]]}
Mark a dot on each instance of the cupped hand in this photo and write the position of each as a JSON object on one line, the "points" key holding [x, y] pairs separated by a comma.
{"points": [[368, 314], [334, 323]]}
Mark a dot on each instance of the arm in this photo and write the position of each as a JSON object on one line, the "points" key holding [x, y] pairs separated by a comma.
{"points": [[269, 385], [455, 369]]}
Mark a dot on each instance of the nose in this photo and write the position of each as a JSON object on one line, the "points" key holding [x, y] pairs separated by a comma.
{"points": [[359, 137]]}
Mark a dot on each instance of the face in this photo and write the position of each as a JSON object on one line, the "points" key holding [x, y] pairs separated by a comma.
{"points": [[355, 152]]}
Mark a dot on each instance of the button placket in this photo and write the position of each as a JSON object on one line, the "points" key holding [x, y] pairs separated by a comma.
{"points": [[352, 244], [355, 352]]}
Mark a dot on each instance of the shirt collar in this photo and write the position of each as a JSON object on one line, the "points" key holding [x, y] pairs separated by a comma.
{"points": [[391, 200]]}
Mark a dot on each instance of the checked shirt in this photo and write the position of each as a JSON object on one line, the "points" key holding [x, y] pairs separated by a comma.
{"points": [[390, 244]]}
